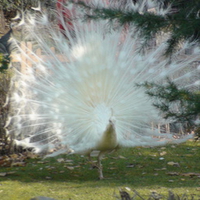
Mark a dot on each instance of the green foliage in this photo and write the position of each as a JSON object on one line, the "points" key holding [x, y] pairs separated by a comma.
{"points": [[5, 77], [183, 22], [169, 96], [4, 62]]}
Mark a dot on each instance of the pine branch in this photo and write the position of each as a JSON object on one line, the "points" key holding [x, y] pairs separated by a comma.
{"points": [[183, 23], [187, 103]]}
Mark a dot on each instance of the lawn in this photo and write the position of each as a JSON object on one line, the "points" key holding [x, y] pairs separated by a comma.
{"points": [[146, 170]]}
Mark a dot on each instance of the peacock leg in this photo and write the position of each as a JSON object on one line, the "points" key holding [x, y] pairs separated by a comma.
{"points": [[100, 167]]}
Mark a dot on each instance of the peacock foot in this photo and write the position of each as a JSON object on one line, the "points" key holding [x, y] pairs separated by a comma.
{"points": [[100, 169], [101, 178]]}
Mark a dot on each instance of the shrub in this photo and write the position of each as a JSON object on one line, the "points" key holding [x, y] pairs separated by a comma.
{"points": [[5, 75]]}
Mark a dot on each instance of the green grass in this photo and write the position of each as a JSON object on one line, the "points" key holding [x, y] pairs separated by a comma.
{"points": [[140, 170]]}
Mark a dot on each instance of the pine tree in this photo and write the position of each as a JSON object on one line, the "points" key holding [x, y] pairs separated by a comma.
{"points": [[187, 104]]}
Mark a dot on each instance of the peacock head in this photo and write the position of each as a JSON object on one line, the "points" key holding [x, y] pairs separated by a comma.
{"points": [[111, 124]]}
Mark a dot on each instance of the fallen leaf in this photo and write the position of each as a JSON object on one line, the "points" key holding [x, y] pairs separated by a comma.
{"points": [[191, 174], [68, 161], [3, 174], [130, 165], [60, 160], [112, 168], [173, 146], [14, 156], [175, 164], [31, 155], [5, 161], [18, 164], [42, 162], [121, 157], [11, 172], [70, 168], [173, 173], [12, 160], [162, 169], [163, 153]]}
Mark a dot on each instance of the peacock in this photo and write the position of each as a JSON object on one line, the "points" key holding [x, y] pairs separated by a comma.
{"points": [[87, 100]]}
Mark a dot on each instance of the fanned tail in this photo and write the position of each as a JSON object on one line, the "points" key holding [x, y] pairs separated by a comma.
{"points": [[65, 103]]}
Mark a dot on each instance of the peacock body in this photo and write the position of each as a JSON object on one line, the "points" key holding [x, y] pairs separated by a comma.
{"points": [[90, 101]]}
